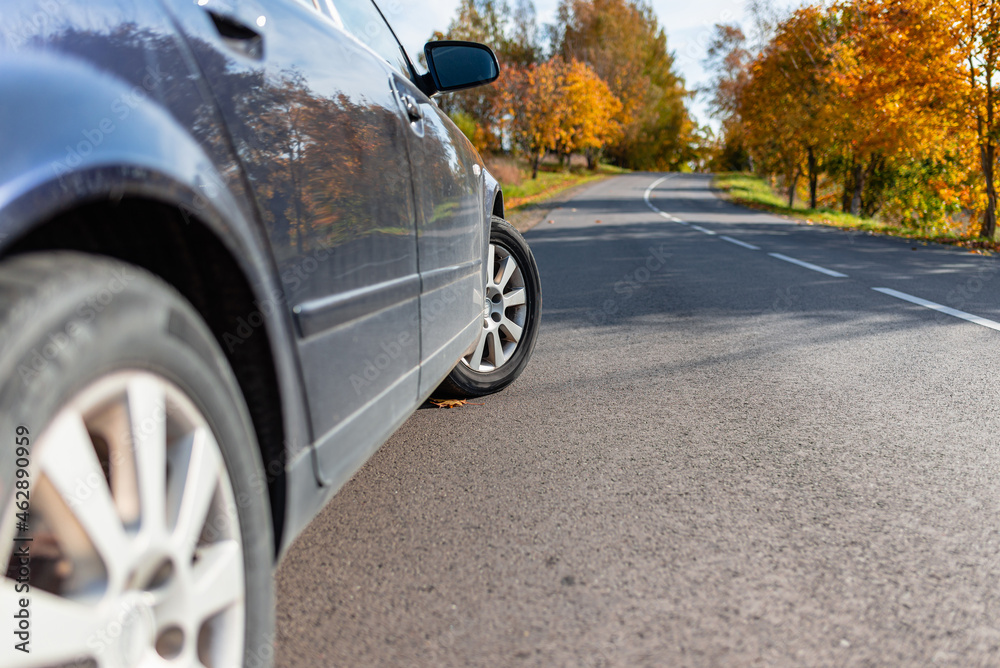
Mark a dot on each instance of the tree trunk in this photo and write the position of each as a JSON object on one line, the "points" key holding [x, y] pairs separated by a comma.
{"points": [[845, 197], [792, 185], [534, 165], [873, 165], [859, 187], [591, 159], [813, 177], [987, 156], [987, 149]]}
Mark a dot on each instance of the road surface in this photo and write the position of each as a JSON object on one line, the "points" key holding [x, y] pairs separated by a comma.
{"points": [[729, 449]]}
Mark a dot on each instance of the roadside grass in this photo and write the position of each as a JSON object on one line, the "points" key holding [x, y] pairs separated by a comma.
{"points": [[533, 192], [753, 192]]}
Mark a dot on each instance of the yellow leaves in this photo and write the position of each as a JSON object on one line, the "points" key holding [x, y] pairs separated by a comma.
{"points": [[561, 106], [790, 102], [874, 77], [593, 106]]}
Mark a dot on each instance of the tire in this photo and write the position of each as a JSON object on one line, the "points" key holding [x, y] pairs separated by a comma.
{"points": [[149, 518], [514, 301]]}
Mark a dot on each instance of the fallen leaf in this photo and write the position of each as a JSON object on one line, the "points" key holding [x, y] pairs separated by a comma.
{"points": [[551, 221], [452, 403], [597, 222]]}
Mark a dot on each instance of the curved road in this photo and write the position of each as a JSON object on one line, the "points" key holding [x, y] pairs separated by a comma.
{"points": [[729, 449]]}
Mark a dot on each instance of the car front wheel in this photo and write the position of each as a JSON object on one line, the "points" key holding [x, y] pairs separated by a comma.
{"points": [[144, 515], [511, 313]]}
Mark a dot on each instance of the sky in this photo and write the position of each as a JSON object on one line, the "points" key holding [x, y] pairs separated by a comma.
{"points": [[688, 24]]}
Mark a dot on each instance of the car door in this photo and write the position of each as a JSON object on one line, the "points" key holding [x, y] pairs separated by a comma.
{"points": [[448, 185], [315, 119], [451, 234]]}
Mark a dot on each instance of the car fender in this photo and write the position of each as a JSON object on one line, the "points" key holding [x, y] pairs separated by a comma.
{"points": [[91, 126], [74, 134]]}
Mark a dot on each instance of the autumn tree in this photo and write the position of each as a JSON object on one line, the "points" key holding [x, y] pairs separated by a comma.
{"points": [[513, 36], [786, 101], [591, 110], [894, 99], [729, 59], [559, 106], [975, 34], [895, 72], [532, 116], [623, 43]]}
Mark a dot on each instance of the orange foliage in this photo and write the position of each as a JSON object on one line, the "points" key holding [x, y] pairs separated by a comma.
{"points": [[559, 106], [890, 94]]}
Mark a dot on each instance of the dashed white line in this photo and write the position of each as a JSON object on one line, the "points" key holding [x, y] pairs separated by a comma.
{"points": [[984, 322], [809, 265], [739, 243], [939, 307], [667, 216]]}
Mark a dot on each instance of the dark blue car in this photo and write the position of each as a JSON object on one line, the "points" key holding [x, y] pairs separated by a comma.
{"points": [[239, 246]]}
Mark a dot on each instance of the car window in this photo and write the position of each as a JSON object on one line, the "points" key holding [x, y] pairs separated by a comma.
{"points": [[362, 19]]}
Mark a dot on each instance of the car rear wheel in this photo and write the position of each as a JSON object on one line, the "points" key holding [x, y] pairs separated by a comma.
{"points": [[511, 315], [147, 525]]}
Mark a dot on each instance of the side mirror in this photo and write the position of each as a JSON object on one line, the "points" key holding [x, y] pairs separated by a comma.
{"points": [[457, 65]]}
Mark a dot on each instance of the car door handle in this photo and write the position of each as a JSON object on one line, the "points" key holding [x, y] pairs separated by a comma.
{"points": [[237, 35], [412, 107]]}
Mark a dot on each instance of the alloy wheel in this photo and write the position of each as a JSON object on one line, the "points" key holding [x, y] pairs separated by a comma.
{"points": [[136, 551], [504, 312]]}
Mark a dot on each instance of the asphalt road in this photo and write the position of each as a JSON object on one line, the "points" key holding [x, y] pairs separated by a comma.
{"points": [[716, 457]]}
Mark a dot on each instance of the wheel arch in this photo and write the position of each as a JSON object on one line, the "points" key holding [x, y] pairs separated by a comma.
{"points": [[140, 187], [494, 196], [498, 204], [186, 252]]}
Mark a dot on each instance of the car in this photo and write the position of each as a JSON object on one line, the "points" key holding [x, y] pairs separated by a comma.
{"points": [[239, 245]]}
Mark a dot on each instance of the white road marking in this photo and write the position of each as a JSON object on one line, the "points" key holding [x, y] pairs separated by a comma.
{"points": [[991, 324], [739, 243], [663, 214], [807, 265], [938, 307], [649, 191]]}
